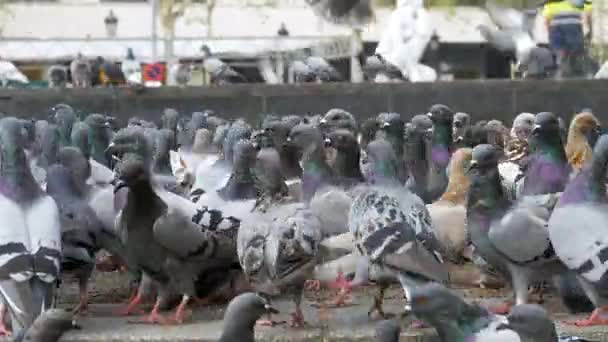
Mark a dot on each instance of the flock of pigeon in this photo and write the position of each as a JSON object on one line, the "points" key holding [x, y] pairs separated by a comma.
{"points": [[203, 207]]}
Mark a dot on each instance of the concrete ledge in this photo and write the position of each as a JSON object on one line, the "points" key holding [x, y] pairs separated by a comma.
{"points": [[483, 98]]}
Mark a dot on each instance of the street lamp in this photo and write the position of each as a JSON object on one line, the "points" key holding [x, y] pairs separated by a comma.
{"points": [[111, 22]]}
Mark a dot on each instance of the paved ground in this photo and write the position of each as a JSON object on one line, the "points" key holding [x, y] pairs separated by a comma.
{"points": [[338, 324]]}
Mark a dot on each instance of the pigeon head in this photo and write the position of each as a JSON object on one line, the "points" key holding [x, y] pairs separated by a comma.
{"points": [[60, 180], [461, 122], [242, 313], [545, 124], [485, 157], [342, 140], [203, 140], [306, 137], [262, 139], [433, 302], [392, 124], [132, 172], [369, 128], [523, 126], [531, 322], [130, 140], [219, 136], [49, 326], [278, 131], [206, 51], [338, 118], [388, 331], [97, 121], [292, 120], [421, 123], [441, 115], [587, 124], [496, 131]]}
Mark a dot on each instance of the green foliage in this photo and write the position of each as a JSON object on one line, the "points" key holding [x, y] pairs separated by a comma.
{"points": [[454, 3]]}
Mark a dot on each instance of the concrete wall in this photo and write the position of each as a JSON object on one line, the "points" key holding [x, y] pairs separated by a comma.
{"points": [[483, 99]]}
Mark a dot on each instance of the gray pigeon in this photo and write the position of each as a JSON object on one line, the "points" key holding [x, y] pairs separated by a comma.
{"points": [[388, 331], [584, 204], [392, 226], [322, 69], [170, 119], [80, 68], [241, 316], [241, 184], [278, 251], [316, 172], [302, 72], [165, 142], [32, 255], [462, 121], [57, 76], [441, 149], [65, 119], [80, 138], [532, 324], [456, 320], [80, 229], [347, 162], [49, 327], [157, 230], [99, 137], [221, 73], [511, 237]]}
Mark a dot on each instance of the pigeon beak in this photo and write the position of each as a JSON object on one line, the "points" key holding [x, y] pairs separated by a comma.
{"points": [[119, 184], [110, 147], [429, 114], [536, 129], [270, 309], [323, 121], [288, 139], [459, 139], [386, 124], [472, 166], [327, 142]]}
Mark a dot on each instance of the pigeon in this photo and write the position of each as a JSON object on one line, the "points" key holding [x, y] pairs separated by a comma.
{"points": [[241, 316], [462, 121], [290, 158], [180, 74], [64, 119], [81, 71], [278, 251], [269, 180], [583, 133], [316, 172], [347, 162], [322, 69], [165, 142], [393, 128], [369, 129], [32, 255], [584, 200], [9, 74], [417, 152], [514, 35], [240, 185], [80, 229], [511, 237], [170, 119], [80, 138], [49, 145], [441, 149], [57, 76], [532, 323], [343, 12], [131, 68], [302, 73], [49, 327], [186, 131], [99, 138], [392, 227], [546, 170], [221, 73], [388, 331], [456, 320], [239, 130], [449, 212], [496, 133]]}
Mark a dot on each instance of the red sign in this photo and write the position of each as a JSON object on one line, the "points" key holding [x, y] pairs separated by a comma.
{"points": [[153, 72]]}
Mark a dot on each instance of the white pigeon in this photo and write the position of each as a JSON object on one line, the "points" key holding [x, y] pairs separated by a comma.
{"points": [[10, 73]]}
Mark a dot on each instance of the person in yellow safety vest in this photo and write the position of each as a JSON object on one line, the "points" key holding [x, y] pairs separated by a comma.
{"points": [[564, 21]]}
